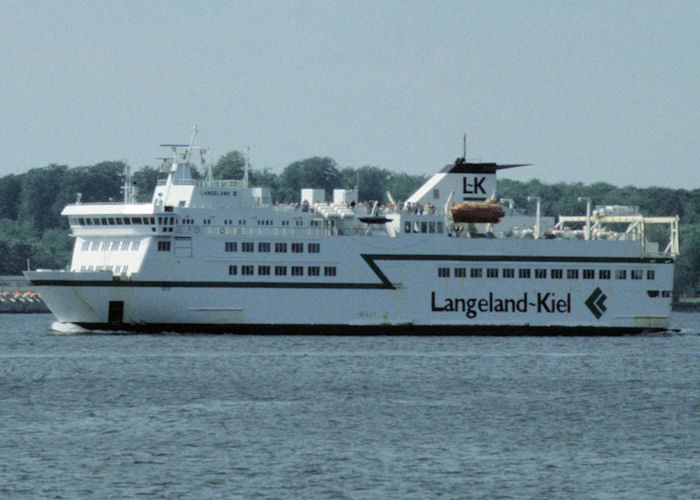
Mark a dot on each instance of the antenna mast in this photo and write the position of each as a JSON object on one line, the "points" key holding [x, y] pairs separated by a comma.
{"points": [[464, 146]]}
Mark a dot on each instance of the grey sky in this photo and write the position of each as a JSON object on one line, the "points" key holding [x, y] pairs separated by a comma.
{"points": [[586, 91]]}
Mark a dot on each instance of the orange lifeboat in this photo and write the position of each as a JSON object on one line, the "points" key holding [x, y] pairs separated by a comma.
{"points": [[477, 212]]}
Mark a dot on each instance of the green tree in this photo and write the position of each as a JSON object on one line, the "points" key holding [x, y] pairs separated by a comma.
{"points": [[145, 181], [10, 191], [374, 183], [316, 172], [40, 189], [687, 272], [229, 166]]}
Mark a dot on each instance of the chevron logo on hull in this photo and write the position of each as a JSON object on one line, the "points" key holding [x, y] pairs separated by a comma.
{"points": [[596, 303]]}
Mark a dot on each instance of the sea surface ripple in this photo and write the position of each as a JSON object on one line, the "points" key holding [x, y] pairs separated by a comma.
{"points": [[206, 416]]}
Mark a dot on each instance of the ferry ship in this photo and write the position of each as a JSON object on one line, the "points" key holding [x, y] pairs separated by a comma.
{"points": [[209, 255]]}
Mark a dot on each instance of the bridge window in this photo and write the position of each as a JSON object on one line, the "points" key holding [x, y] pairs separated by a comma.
{"points": [[247, 246], [492, 272], [263, 246], [297, 271], [524, 273], [164, 246], [264, 270], [443, 272], [636, 274], [460, 272], [297, 247], [329, 271], [314, 271], [281, 247], [233, 270], [572, 274], [556, 274], [231, 246], [604, 274], [540, 273], [314, 247], [475, 272], [588, 274], [280, 270], [650, 274], [407, 227], [621, 274], [509, 272], [247, 270]]}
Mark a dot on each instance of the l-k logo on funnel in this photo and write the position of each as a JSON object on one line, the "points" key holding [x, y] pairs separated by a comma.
{"points": [[596, 302]]}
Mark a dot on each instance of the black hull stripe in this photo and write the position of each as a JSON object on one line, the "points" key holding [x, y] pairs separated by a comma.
{"points": [[405, 330]]}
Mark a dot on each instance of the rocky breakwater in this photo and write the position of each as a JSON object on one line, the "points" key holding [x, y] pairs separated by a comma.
{"points": [[17, 296]]}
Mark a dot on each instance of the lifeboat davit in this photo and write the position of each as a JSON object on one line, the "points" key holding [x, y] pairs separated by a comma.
{"points": [[488, 211]]}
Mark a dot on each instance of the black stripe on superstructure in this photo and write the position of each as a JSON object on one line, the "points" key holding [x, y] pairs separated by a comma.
{"points": [[206, 284], [370, 259], [518, 258]]}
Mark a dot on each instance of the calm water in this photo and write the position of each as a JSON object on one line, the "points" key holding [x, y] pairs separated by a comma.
{"points": [[90, 415]]}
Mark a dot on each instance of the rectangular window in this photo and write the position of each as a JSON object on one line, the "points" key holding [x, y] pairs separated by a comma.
{"points": [[540, 274], [297, 247], [125, 246], [650, 274], [314, 271], [443, 272], [423, 227], [329, 271], [475, 272], [263, 246], [492, 272], [297, 271], [556, 274], [86, 246], [636, 274], [460, 272], [247, 270], [247, 246], [621, 274], [135, 245], [439, 227], [280, 270], [231, 246], [509, 272], [431, 227], [524, 273], [163, 246], [572, 274], [314, 247], [588, 274], [281, 247], [233, 270], [263, 270], [407, 227], [604, 274]]}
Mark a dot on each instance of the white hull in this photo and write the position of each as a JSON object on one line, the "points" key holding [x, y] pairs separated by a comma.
{"points": [[381, 287]]}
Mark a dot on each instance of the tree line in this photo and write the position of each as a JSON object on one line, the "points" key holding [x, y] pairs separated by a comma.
{"points": [[32, 231]]}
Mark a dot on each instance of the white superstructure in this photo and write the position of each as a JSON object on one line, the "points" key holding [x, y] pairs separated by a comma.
{"points": [[219, 256]]}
